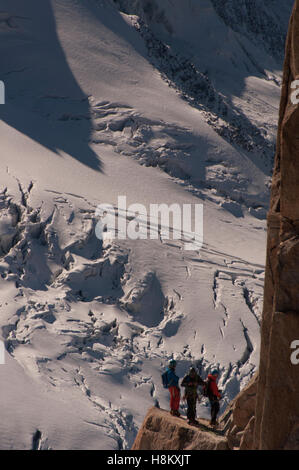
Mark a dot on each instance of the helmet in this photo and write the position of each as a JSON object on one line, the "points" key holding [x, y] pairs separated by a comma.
{"points": [[215, 372], [172, 363], [192, 370]]}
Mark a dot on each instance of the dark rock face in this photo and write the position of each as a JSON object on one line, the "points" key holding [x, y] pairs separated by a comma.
{"points": [[236, 418], [277, 407]]}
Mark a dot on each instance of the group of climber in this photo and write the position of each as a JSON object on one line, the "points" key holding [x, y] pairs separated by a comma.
{"points": [[191, 382]]}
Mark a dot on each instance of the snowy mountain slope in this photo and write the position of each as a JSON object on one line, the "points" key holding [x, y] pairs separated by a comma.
{"points": [[182, 40], [69, 330], [264, 22], [87, 325]]}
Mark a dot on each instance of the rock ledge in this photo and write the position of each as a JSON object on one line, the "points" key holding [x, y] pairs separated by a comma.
{"points": [[161, 431]]}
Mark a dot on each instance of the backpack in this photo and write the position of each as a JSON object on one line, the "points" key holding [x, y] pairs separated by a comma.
{"points": [[205, 390], [164, 377]]}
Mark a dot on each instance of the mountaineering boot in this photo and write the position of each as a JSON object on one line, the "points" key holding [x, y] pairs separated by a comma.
{"points": [[193, 422]]}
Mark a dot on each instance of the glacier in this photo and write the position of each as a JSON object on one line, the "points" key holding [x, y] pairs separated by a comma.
{"points": [[162, 103]]}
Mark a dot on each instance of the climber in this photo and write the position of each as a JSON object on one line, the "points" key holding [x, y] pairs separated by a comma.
{"points": [[191, 381], [174, 389], [213, 395]]}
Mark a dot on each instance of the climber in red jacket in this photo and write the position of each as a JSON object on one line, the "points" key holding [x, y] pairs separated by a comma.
{"points": [[213, 395], [174, 389]]}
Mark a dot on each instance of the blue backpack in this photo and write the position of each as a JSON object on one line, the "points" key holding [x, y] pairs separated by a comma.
{"points": [[164, 377]]}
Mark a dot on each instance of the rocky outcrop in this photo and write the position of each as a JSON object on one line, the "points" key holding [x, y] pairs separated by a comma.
{"points": [[236, 418], [161, 431], [277, 406]]}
